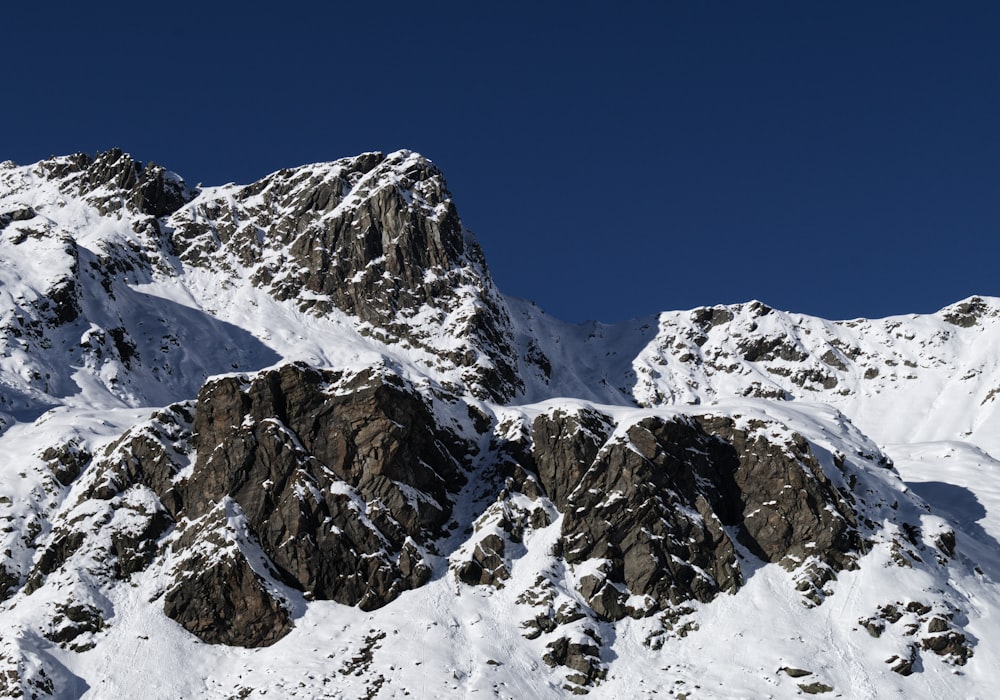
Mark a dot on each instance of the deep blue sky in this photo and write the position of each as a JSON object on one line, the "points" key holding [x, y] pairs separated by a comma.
{"points": [[839, 159]]}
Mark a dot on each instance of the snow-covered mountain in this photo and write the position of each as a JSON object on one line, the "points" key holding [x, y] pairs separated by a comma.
{"points": [[288, 439]]}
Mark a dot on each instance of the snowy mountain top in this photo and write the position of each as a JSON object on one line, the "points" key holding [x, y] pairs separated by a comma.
{"points": [[259, 435]]}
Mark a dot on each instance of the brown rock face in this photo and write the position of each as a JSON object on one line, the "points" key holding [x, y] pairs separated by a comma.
{"points": [[113, 179], [218, 597], [226, 604], [789, 508], [486, 567], [290, 480], [652, 506], [583, 658], [375, 436], [653, 503], [565, 447], [338, 489]]}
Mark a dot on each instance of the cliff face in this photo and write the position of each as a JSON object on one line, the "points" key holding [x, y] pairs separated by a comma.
{"points": [[329, 486], [377, 237], [232, 409]]}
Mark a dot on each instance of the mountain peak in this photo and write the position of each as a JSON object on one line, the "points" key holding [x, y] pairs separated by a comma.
{"points": [[113, 179], [297, 415], [971, 311], [377, 237]]}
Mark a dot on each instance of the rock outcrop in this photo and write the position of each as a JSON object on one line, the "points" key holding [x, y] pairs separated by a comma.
{"points": [[341, 486], [377, 237], [339, 482], [788, 511], [650, 508], [113, 180], [649, 504], [290, 482]]}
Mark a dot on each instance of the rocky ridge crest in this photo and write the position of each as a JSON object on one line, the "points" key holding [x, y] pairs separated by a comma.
{"points": [[377, 237]]}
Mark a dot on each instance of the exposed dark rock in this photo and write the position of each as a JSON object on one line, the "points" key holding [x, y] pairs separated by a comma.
{"points": [[377, 237], [903, 665], [112, 180], [66, 461], [362, 661], [942, 638], [760, 391], [159, 192], [9, 581], [535, 356], [149, 456], [874, 627], [124, 345], [762, 348], [539, 625], [582, 657], [648, 505], [950, 643], [24, 680], [708, 318], [376, 435], [805, 377], [789, 508], [937, 624], [653, 505], [18, 214], [340, 488], [967, 313], [135, 547], [64, 300], [487, 564], [832, 357], [340, 481], [815, 688], [795, 672], [222, 601], [72, 620], [565, 446], [890, 613], [64, 544]]}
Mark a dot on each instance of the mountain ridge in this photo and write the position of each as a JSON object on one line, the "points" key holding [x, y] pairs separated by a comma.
{"points": [[217, 396]]}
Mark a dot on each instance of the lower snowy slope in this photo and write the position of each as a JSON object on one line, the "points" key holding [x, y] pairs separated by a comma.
{"points": [[451, 639]]}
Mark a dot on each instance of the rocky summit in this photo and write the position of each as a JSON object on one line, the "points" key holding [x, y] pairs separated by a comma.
{"points": [[289, 439]]}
